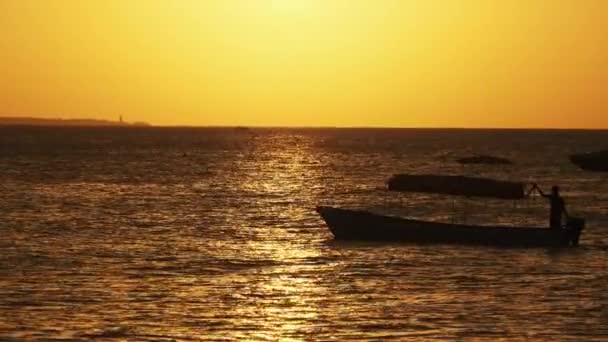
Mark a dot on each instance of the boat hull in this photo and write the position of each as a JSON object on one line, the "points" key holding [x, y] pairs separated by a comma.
{"points": [[362, 225]]}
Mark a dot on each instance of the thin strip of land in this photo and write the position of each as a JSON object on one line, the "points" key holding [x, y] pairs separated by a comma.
{"points": [[31, 121]]}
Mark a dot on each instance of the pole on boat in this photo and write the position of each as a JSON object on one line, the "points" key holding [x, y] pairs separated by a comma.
{"points": [[453, 220]]}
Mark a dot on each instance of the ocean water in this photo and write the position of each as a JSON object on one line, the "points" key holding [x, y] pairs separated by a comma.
{"points": [[166, 234]]}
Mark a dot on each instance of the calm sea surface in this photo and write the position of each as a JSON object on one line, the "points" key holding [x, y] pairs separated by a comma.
{"points": [[195, 234]]}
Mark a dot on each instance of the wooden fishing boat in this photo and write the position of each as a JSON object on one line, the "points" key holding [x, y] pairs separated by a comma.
{"points": [[362, 225], [457, 186], [346, 224]]}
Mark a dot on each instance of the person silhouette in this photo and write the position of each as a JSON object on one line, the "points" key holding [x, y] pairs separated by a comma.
{"points": [[558, 206]]}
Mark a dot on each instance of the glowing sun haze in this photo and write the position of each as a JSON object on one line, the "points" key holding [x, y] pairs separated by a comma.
{"points": [[401, 63]]}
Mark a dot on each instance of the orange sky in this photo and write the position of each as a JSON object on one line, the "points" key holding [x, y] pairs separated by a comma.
{"points": [[401, 63]]}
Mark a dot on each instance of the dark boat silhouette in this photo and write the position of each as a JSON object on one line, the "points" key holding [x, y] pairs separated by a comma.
{"points": [[592, 161], [457, 186], [346, 224]]}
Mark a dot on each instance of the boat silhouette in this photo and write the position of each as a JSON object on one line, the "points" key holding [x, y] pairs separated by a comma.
{"points": [[347, 224]]}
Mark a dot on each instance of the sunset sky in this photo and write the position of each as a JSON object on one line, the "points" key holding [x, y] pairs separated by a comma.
{"points": [[398, 63]]}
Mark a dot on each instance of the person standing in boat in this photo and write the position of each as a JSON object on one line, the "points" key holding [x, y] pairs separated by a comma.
{"points": [[558, 206]]}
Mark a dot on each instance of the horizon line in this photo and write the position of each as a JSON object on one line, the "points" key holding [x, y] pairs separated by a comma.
{"points": [[382, 127], [149, 125], [258, 126]]}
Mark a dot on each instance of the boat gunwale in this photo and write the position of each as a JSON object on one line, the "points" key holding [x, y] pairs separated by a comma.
{"points": [[435, 223]]}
